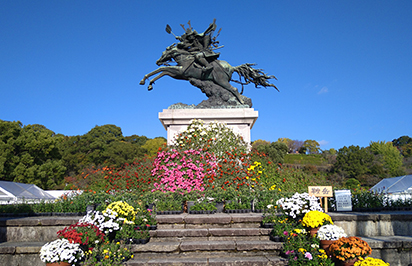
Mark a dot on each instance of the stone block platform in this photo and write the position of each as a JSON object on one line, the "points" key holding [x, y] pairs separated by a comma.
{"points": [[240, 120], [215, 239]]}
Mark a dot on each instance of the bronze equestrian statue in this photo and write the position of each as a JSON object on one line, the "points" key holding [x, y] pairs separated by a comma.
{"points": [[197, 61]]}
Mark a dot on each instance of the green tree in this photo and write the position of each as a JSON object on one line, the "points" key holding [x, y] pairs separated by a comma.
{"points": [[353, 162], [404, 145], [30, 154], [389, 156], [9, 132], [330, 155], [101, 146], [311, 146], [276, 151], [136, 139], [289, 143], [119, 152], [152, 145], [259, 142]]}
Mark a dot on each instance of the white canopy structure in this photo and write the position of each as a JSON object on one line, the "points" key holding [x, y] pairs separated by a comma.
{"points": [[394, 185], [12, 192]]}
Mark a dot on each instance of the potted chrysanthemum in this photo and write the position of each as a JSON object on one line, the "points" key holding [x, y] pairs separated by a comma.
{"points": [[315, 219], [299, 204], [328, 234], [347, 250], [61, 252], [86, 234], [107, 222], [122, 210], [371, 261]]}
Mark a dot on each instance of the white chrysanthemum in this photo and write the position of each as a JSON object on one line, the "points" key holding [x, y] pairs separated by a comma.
{"points": [[61, 250], [331, 232], [299, 204], [107, 222]]}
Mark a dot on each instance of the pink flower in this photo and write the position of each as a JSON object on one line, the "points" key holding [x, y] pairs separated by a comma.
{"points": [[308, 255]]}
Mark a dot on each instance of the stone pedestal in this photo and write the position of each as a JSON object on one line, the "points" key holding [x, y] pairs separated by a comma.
{"points": [[240, 120]]}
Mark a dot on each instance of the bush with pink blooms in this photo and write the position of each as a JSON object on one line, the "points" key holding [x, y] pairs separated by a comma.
{"points": [[183, 170]]}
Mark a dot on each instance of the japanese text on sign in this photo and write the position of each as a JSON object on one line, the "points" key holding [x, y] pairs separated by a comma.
{"points": [[321, 191]]}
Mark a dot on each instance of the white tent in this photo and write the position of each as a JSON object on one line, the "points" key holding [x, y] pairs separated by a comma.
{"points": [[394, 185], [12, 192]]}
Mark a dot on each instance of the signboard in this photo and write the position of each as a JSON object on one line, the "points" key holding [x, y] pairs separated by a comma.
{"points": [[343, 200], [321, 192]]}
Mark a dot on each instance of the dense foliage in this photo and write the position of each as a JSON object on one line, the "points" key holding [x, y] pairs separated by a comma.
{"points": [[104, 159], [30, 154], [36, 155]]}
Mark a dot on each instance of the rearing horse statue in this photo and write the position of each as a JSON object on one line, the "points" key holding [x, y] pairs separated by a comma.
{"points": [[195, 59], [186, 69]]}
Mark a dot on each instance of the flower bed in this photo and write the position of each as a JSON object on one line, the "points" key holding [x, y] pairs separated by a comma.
{"points": [[101, 237]]}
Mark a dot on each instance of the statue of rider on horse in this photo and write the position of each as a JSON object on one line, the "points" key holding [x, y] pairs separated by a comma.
{"points": [[198, 62]]}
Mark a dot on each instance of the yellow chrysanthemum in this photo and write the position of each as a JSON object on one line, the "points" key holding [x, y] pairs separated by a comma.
{"points": [[315, 219]]}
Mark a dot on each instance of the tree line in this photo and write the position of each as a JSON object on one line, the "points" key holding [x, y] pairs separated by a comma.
{"points": [[36, 155], [353, 165]]}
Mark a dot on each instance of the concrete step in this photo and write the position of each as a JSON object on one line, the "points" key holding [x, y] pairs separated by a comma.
{"points": [[217, 220], [210, 234], [210, 260], [230, 246], [397, 250]]}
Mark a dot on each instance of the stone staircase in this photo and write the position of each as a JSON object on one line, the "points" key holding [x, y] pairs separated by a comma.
{"points": [[215, 239]]}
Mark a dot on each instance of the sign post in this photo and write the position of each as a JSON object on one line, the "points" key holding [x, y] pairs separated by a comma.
{"points": [[321, 192]]}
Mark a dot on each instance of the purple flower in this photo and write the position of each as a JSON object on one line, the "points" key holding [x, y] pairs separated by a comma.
{"points": [[308, 255]]}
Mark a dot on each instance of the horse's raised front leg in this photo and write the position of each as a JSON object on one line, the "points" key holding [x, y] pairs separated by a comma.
{"points": [[147, 76], [172, 71], [164, 73]]}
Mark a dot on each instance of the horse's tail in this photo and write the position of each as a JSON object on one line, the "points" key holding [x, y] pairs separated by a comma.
{"points": [[252, 75]]}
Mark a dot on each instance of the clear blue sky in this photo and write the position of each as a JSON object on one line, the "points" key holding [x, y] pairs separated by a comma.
{"points": [[344, 68]]}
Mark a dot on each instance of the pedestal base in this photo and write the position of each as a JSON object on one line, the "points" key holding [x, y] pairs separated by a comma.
{"points": [[240, 120]]}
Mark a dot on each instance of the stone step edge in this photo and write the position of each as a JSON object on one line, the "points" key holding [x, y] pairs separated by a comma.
{"points": [[210, 232], [217, 218], [380, 242], [198, 246], [210, 261]]}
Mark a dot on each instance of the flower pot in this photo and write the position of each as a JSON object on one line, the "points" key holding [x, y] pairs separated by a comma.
{"points": [[62, 263], [90, 208], [313, 231], [350, 262], [276, 238], [219, 206], [189, 205], [267, 225], [135, 241], [153, 227], [150, 206], [324, 244]]}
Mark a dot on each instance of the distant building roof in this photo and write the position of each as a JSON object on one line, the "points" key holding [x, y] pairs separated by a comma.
{"points": [[13, 191], [400, 184]]}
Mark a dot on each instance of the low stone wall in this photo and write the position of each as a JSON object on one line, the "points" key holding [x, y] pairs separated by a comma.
{"points": [[27, 229], [374, 224]]}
